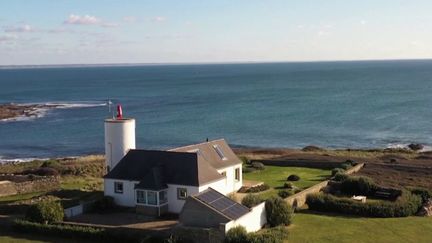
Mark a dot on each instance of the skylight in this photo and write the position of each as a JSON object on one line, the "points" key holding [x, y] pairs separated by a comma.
{"points": [[219, 152]]}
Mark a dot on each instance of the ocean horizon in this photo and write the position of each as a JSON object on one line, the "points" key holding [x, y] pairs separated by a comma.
{"points": [[332, 104]]}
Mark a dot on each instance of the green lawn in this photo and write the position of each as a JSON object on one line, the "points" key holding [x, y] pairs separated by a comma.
{"points": [[308, 227], [275, 177]]}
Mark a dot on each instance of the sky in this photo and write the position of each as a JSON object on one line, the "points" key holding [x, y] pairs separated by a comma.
{"points": [[36, 32]]}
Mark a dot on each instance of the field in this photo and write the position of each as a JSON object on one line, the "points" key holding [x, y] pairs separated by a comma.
{"points": [[310, 227], [275, 177]]}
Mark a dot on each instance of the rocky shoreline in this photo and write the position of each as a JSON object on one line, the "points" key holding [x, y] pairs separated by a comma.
{"points": [[13, 111]]}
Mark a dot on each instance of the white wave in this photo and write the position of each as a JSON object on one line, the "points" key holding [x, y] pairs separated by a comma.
{"points": [[426, 148], [39, 110], [19, 160]]}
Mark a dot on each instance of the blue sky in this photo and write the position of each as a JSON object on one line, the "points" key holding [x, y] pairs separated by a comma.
{"points": [[162, 31]]}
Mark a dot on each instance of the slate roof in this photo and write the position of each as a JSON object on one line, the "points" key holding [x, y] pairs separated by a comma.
{"points": [[154, 169], [222, 204], [207, 151]]}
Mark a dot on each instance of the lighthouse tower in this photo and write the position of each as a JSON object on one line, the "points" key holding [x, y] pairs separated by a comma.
{"points": [[119, 138]]}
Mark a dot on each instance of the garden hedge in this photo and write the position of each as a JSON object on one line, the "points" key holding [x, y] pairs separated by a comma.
{"points": [[405, 205]]}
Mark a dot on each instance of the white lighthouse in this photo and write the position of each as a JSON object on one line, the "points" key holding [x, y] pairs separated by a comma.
{"points": [[119, 138]]}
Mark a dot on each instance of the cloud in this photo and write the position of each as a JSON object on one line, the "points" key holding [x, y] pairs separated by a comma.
{"points": [[129, 19], [109, 25], [82, 20], [159, 19], [19, 29], [6, 38]]}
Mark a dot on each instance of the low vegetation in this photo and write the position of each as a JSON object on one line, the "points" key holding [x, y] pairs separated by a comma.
{"points": [[45, 212], [251, 200]]}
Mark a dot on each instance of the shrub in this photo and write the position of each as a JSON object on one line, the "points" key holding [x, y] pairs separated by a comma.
{"points": [[51, 164], [351, 162], [288, 185], [293, 178], [45, 212], [278, 212], [42, 171], [104, 204], [258, 165], [345, 166], [236, 235], [273, 235], [340, 177], [248, 169], [245, 160], [259, 188], [337, 170], [285, 193], [251, 200], [407, 204], [359, 185], [425, 194]]}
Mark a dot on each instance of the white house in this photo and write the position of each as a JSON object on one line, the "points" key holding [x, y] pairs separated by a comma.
{"points": [[155, 182]]}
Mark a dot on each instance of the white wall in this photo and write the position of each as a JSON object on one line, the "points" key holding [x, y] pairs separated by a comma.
{"points": [[119, 139], [127, 198], [229, 184], [175, 205], [252, 221]]}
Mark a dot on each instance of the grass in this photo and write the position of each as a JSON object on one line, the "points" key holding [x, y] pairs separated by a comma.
{"points": [[12, 237], [309, 227], [275, 177], [19, 197]]}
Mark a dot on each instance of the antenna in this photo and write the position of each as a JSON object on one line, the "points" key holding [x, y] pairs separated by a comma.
{"points": [[109, 103]]}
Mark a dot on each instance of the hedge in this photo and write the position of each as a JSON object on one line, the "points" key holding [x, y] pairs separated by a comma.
{"points": [[358, 185], [76, 231], [251, 200], [273, 235], [405, 205], [45, 212], [259, 188], [425, 194]]}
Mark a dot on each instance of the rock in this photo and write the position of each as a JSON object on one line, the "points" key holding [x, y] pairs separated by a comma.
{"points": [[415, 146], [426, 209], [312, 148]]}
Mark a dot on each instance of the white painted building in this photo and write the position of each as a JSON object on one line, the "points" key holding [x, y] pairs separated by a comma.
{"points": [[155, 182]]}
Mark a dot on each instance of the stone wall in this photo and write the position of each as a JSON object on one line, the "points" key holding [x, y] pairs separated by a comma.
{"points": [[37, 184], [299, 199], [299, 163]]}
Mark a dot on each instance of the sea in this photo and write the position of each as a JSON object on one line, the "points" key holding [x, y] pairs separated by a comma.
{"points": [[351, 104]]}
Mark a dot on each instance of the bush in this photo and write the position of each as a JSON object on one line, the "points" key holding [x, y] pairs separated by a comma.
{"points": [[42, 171], [259, 188], [273, 235], [340, 177], [248, 169], [407, 204], [258, 165], [104, 204], [51, 164], [345, 166], [337, 170], [45, 212], [425, 194], [359, 185], [278, 212], [288, 185], [285, 193], [236, 235], [293, 178], [245, 160], [251, 200]]}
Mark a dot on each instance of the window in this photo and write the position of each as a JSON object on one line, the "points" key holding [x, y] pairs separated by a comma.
{"points": [[162, 197], [141, 197], [219, 152], [151, 198], [118, 187], [181, 193], [237, 174]]}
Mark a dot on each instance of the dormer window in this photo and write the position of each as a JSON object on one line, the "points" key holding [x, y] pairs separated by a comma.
{"points": [[219, 152]]}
